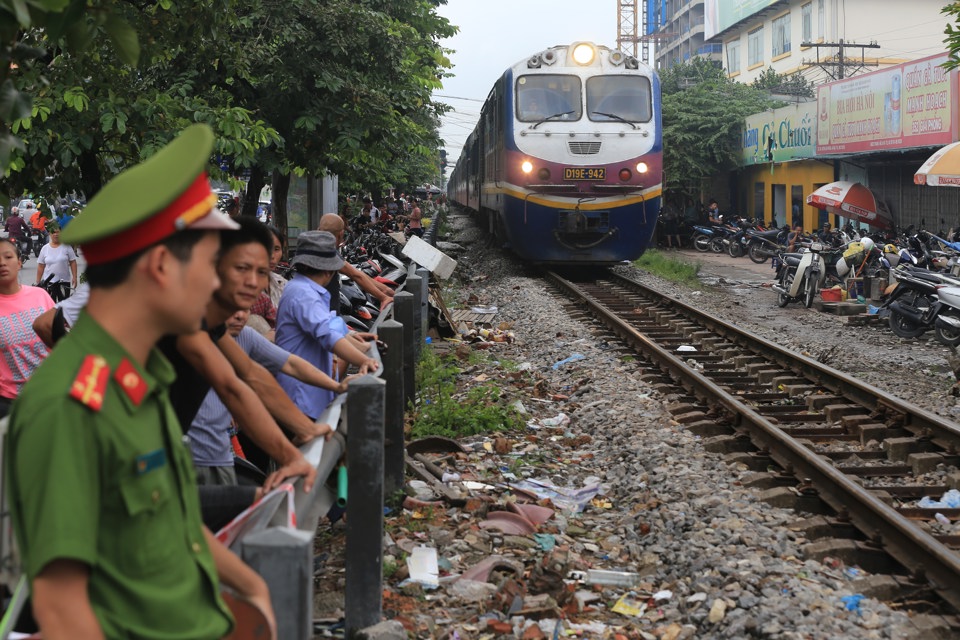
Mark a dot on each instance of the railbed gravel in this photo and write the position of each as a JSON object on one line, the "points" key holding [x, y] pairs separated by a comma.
{"points": [[679, 515]]}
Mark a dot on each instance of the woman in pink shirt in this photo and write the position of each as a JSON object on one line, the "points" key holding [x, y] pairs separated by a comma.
{"points": [[21, 350]]}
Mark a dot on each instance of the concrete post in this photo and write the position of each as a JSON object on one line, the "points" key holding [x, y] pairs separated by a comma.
{"points": [[391, 332], [403, 304], [424, 306], [414, 285], [284, 558], [364, 553]]}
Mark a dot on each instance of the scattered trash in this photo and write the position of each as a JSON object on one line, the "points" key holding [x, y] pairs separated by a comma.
{"points": [[949, 500], [566, 498], [686, 347], [519, 408], [872, 310], [852, 603], [942, 519], [666, 594], [630, 604], [609, 578], [547, 541], [450, 477], [559, 420], [422, 565], [488, 309], [508, 522], [852, 572], [524, 366], [575, 357]]}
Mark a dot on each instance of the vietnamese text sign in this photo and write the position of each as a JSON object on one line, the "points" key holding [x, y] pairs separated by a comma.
{"points": [[720, 15], [910, 105], [787, 133]]}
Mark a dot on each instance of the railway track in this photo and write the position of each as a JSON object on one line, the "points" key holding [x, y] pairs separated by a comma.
{"points": [[845, 450]]}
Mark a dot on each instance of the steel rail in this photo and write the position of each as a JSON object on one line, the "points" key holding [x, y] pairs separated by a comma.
{"points": [[912, 547]]}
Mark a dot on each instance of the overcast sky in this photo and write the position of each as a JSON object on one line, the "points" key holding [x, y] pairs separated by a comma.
{"points": [[495, 34]]}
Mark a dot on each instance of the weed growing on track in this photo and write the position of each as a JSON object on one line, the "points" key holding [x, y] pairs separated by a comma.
{"points": [[445, 408], [669, 268]]}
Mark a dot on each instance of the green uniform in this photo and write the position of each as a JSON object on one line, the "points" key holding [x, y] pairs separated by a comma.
{"points": [[98, 473]]}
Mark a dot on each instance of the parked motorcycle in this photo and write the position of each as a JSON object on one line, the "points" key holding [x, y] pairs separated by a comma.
{"points": [[763, 245], [800, 276], [915, 303]]}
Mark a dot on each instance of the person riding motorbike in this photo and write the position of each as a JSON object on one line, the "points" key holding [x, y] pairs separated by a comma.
{"points": [[19, 231]]}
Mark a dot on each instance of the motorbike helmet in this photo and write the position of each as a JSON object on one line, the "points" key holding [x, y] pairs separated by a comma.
{"points": [[889, 248], [868, 244]]}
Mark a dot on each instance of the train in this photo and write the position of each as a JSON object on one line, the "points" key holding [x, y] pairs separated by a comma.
{"points": [[566, 161]]}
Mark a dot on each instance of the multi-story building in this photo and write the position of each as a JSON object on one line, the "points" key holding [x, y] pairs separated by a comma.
{"points": [[677, 27], [805, 35]]}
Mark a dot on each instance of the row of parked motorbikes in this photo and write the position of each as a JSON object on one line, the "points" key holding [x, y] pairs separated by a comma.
{"points": [[921, 273]]}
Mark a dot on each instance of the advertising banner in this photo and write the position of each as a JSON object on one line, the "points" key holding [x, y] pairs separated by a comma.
{"points": [[720, 15], [781, 135], [910, 105]]}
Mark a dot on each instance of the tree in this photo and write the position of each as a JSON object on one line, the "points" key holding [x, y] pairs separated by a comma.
{"points": [[952, 31], [703, 112], [792, 85]]}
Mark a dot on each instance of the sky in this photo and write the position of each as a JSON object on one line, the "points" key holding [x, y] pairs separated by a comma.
{"points": [[496, 34]]}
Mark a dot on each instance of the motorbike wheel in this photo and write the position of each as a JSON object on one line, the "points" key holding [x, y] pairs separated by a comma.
{"points": [[701, 242], [716, 245], [782, 298], [809, 290], [735, 249], [902, 326], [753, 252], [948, 336]]}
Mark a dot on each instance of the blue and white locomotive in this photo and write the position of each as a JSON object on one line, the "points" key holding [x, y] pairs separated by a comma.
{"points": [[566, 161]]}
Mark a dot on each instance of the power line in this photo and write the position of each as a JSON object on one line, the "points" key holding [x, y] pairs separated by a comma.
{"points": [[438, 95]]}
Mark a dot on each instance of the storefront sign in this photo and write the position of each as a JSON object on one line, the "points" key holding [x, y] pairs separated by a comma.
{"points": [[780, 135], [910, 105]]}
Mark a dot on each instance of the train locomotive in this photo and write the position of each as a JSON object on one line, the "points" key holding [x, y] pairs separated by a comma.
{"points": [[566, 161]]}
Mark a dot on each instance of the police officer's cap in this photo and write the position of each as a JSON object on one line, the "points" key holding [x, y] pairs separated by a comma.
{"points": [[166, 193]]}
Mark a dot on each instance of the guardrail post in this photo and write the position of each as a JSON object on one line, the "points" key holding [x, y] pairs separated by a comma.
{"points": [[424, 306], [403, 304], [414, 285], [364, 553], [391, 332], [284, 558]]}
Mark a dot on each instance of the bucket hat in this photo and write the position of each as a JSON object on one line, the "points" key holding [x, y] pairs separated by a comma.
{"points": [[317, 250]]}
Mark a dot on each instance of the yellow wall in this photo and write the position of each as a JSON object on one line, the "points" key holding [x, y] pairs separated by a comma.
{"points": [[805, 174]]}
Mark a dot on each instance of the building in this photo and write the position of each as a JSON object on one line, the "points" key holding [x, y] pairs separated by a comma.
{"points": [[677, 27], [757, 34]]}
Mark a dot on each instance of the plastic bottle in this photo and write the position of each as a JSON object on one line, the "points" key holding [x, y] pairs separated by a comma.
{"points": [[612, 578]]}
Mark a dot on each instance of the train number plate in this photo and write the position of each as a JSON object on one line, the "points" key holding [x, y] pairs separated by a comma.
{"points": [[585, 173]]}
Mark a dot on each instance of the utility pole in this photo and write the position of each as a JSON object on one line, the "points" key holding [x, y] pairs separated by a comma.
{"points": [[841, 62]]}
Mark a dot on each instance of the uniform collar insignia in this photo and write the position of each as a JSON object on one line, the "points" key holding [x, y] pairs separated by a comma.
{"points": [[90, 385], [131, 382]]}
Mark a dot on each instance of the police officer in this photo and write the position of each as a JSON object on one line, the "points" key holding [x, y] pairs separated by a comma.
{"points": [[102, 489]]}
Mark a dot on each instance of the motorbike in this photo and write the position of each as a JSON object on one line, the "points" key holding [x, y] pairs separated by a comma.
{"points": [[800, 275], [763, 245], [922, 301], [703, 237]]}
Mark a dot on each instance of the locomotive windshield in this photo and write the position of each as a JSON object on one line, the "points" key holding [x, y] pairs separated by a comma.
{"points": [[548, 97], [619, 98]]}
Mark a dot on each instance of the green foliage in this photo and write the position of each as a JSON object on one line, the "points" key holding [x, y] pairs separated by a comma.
{"points": [[703, 113], [672, 269], [790, 85], [952, 33], [445, 410]]}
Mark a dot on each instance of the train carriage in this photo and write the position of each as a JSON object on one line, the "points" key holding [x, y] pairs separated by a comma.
{"points": [[566, 161]]}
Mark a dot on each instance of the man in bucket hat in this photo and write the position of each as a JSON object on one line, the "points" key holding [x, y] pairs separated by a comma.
{"points": [[305, 325], [101, 487]]}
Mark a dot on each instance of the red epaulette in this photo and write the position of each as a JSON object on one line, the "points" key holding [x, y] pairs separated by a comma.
{"points": [[89, 386]]}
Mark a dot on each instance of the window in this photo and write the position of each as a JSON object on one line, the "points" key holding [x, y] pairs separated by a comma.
{"points": [[755, 47], [781, 35], [806, 19], [619, 98], [733, 56], [759, 189], [548, 96], [821, 19]]}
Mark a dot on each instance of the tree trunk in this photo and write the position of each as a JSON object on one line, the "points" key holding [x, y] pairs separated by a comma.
{"points": [[251, 199], [281, 185], [91, 180]]}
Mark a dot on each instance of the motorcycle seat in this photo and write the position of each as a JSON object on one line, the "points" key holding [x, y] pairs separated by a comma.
{"points": [[791, 259], [769, 235]]}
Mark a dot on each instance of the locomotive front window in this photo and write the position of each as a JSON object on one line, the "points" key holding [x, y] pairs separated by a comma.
{"points": [[619, 98], [548, 97]]}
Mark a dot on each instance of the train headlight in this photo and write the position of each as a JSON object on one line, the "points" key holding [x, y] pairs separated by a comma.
{"points": [[642, 167], [527, 166], [583, 54], [625, 174], [544, 174]]}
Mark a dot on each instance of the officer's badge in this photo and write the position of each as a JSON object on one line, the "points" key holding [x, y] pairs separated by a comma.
{"points": [[91, 382], [131, 382]]}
